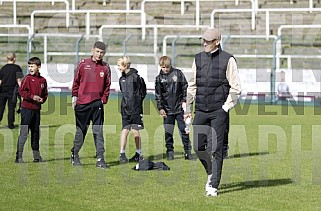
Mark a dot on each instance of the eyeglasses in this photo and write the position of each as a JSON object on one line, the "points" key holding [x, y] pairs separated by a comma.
{"points": [[208, 42]]}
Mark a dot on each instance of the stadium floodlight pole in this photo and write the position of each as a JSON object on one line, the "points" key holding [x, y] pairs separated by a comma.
{"points": [[173, 49], [77, 47], [273, 70], [125, 42], [29, 47], [127, 5]]}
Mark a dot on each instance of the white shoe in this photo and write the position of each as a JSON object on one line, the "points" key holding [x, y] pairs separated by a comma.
{"points": [[211, 191]]}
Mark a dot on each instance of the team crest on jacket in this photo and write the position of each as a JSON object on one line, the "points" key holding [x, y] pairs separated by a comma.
{"points": [[42, 86], [102, 74], [174, 78]]}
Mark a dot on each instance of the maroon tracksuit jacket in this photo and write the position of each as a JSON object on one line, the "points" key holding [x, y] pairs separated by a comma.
{"points": [[92, 81], [33, 85]]}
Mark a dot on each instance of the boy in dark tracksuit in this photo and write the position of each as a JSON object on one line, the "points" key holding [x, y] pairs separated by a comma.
{"points": [[90, 91], [133, 94], [170, 94], [34, 92]]}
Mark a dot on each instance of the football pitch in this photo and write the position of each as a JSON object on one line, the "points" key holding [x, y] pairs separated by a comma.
{"points": [[274, 164]]}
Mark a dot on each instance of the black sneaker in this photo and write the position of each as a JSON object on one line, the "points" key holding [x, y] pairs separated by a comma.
{"points": [[101, 164], [38, 160], [75, 160], [123, 158], [19, 160], [225, 154], [189, 156], [136, 158], [170, 155]]}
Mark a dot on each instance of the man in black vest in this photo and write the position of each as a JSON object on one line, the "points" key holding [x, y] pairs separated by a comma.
{"points": [[215, 88]]}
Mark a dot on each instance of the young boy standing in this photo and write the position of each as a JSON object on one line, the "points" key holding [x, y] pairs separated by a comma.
{"points": [[34, 92], [133, 94], [170, 93]]}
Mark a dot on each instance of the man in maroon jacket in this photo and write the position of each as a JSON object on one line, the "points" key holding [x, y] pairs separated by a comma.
{"points": [[34, 92], [90, 91]]}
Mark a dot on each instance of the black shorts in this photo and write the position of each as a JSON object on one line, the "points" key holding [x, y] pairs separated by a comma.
{"points": [[133, 122]]}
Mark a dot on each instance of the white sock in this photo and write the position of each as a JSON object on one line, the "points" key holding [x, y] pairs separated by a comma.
{"points": [[209, 179], [122, 151], [139, 151]]}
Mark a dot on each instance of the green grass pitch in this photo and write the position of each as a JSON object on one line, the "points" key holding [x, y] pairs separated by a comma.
{"points": [[274, 164]]}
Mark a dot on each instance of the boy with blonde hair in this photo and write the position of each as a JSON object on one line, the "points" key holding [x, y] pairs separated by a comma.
{"points": [[170, 94], [133, 93]]}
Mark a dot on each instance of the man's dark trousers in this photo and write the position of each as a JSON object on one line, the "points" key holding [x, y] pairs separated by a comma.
{"points": [[209, 131], [86, 113]]}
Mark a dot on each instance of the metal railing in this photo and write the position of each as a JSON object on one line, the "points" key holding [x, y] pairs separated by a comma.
{"points": [[14, 7], [266, 11], [86, 12]]}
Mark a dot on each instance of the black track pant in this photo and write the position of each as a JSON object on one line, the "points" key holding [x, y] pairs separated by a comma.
{"points": [[30, 120], [209, 131], [7, 97], [92, 112]]}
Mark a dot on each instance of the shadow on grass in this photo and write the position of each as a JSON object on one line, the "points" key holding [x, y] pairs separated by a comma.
{"points": [[180, 155], [247, 155], [227, 188], [163, 156]]}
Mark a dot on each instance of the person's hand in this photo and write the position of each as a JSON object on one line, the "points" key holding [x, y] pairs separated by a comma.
{"points": [[74, 102], [162, 113], [186, 115], [184, 106], [37, 99]]}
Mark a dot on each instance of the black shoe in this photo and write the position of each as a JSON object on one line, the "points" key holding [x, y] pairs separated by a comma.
{"points": [[38, 160], [19, 160], [136, 158], [11, 126], [170, 155], [101, 164], [75, 160], [189, 156], [225, 154], [123, 158]]}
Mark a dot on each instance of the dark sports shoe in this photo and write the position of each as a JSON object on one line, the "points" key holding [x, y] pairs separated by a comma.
{"points": [[225, 154], [38, 160], [101, 164], [75, 160], [11, 126], [19, 160], [136, 158], [170, 155], [123, 158], [189, 156]]}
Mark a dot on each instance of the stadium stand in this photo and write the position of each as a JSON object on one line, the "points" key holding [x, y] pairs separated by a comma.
{"points": [[62, 31]]}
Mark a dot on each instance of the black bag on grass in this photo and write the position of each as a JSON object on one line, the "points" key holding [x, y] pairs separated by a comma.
{"points": [[145, 165]]}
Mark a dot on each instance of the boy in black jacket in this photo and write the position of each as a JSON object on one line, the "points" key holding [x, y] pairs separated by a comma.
{"points": [[170, 94], [133, 93]]}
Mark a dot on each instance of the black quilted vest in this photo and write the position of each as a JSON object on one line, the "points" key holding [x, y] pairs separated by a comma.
{"points": [[212, 85]]}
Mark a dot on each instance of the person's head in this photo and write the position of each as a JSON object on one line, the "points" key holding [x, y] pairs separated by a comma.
{"points": [[123, 63], [11, 57], [211, 39], [34, 65], [165, 64], [98, 51]]}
